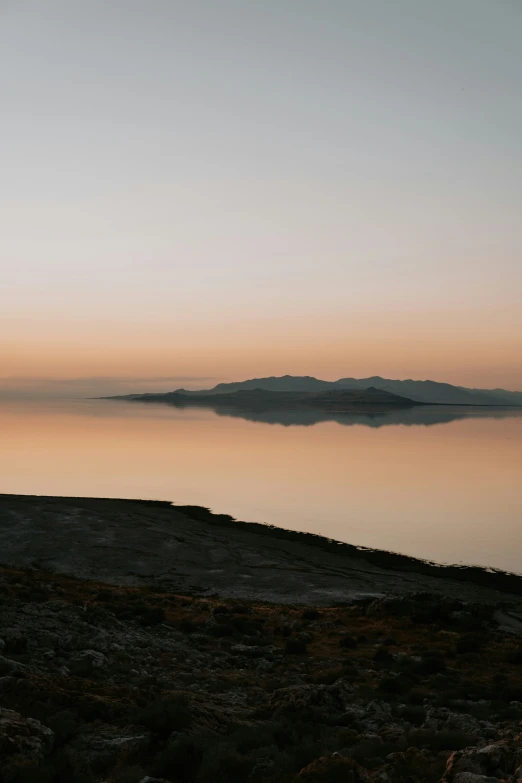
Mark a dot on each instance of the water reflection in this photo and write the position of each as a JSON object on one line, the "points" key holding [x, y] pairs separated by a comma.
{"points": [[422, 415], [448, 493]]}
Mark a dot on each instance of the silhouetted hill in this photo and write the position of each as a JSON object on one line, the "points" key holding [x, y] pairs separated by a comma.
{"points": [[284, 383], [419, 391], [426, 391], [337, 400]]}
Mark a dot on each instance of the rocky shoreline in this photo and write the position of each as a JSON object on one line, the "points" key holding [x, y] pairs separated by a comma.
{"points": [[190, 550], [131, 680]]}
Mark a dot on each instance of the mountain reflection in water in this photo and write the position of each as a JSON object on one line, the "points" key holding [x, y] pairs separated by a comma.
{"points": [[422, 415]]}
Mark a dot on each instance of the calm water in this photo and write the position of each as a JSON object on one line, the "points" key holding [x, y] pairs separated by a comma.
{"points": [[449, 491]]}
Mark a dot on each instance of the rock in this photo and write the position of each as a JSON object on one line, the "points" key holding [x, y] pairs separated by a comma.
{"points": [[7, 666], [295, 646], [48, 640], [99, 747], [508, 622], [253, 651], [148, 779], [334, 697], [376, 714], [348, 642], [495, 760], [381, 776], [392, 732], [379, 708], [442, 719], [262, 768], [352, 715], [85, 662], [471, 777], [15, 641], [426, 607], [24, 736], [330, 768]]}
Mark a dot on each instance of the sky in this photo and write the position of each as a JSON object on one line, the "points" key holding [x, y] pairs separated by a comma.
{"points": [[214, 190]]}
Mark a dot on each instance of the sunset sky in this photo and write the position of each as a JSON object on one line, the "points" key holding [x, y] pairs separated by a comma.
{"points": [[220, 189]]}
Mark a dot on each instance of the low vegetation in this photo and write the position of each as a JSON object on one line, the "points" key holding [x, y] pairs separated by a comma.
{"points": [[102, 684]]}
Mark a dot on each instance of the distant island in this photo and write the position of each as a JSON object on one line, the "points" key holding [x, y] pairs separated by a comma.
{"points": [[338, 401], [347, 395]]}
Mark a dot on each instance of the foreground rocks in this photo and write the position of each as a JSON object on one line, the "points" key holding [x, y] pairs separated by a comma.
{"points": [[24, 737], [106, 684]]}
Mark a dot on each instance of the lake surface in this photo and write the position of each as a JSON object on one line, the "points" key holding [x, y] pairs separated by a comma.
{"points": [[439, 483]]}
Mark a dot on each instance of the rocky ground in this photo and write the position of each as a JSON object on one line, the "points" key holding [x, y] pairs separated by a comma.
{"points": [[187, 549], [142, 642], [119, 684]]}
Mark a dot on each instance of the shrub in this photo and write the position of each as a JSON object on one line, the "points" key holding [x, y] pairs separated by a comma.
{"points": [[70, 769], [413, 714], [330, 676], [347, 642], [511, 693], [221, 630], [152, 616], [248, 626], [245, 738], [393, 685], [372, 748], [382, 655], [310, 614], [181, 759], [432, 664], [418, 695], [295, 647], [440, 740], [64, 724], [515, 656], [240, 609], [130, 775], [165, 715], [15, 642], [468, 644], [187, 626], [331, 769], [224, 764], [22, 770]]}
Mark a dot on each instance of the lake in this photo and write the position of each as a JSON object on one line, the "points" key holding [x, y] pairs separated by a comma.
{"points": [[439, 483]]}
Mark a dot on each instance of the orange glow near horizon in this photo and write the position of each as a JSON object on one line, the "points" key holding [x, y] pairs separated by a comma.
{"points": [[211, 202], [393, 346]]}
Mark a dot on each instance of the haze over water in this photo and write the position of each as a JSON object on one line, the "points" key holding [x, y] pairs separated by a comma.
{"points": [[447, 492]]}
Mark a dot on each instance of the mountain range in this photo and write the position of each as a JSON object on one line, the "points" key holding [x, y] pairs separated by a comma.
{"points": [[419, 391]]}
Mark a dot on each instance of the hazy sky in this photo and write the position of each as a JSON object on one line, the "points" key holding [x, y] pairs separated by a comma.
{"points": [[230, 188]]}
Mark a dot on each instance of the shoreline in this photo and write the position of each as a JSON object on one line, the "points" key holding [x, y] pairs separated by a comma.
{"points": [[266, 656], [189, 548]]}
